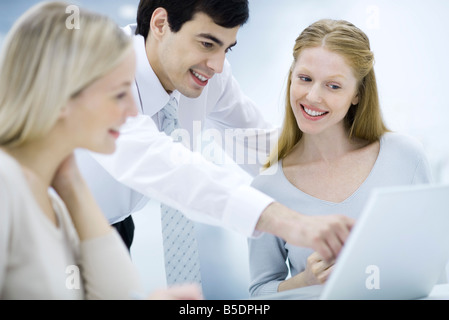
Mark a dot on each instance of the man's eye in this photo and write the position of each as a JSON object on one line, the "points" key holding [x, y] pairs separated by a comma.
{"points": [[207, 45]]}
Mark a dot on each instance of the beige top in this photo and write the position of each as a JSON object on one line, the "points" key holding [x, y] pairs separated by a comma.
{"points": [[41, 261]]}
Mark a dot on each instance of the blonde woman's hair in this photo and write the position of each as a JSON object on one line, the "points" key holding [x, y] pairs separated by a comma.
{"points": [[46, 60], [363, 120]]}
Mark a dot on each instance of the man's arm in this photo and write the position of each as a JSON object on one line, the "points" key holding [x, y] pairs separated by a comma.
{"points": [[149, 162]]}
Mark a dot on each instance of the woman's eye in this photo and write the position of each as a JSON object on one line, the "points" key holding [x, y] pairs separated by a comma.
{"points": [[334, 86], [304, 78], [121, 96]]}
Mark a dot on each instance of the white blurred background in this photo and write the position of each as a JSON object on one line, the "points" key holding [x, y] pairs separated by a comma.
{"points": [[410, 43]]}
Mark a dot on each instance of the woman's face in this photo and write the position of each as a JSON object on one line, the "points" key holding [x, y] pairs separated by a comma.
{"points": [[97, 113], [322, 90]]}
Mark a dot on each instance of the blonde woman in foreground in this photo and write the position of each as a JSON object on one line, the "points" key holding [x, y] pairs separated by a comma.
{"points": [[63, 88], [333, 150]]}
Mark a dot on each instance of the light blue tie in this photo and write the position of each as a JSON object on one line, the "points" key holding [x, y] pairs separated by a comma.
{"points": [[170, 113], [182, 262]]}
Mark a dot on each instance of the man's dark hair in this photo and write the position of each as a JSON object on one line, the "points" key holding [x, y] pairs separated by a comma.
{"points": [[225, 13]]}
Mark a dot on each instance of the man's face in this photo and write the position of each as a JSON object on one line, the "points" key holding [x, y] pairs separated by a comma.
{"points": [[188, 58]]}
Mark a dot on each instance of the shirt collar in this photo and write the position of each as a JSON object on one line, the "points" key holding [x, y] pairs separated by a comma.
{"points": [[152, 94]]}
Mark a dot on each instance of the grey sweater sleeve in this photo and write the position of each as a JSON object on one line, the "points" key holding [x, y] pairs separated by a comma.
{"points": [[268, 266]]}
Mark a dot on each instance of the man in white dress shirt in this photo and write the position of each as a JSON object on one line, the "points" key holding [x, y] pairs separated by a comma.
{"points": [[181, 47]]}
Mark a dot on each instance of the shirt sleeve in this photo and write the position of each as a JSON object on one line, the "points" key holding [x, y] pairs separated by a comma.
{"points": [[4, 232], [149, 162], [108, 271], [267, 261]]}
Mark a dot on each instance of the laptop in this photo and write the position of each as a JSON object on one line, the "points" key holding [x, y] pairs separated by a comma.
{"points": [[397, 250]]}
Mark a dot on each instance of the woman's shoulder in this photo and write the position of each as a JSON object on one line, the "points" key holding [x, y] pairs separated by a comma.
{"points": [[268, 177], [402, 143], [9, 182], [408, 155], [9, 168]]}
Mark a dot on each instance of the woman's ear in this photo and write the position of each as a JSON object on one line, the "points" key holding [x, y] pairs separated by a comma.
{"points": [[159, 23], [355, 100], [64, 112]]}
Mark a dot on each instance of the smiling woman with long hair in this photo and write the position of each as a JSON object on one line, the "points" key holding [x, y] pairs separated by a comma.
{"points": [[334, 148]]}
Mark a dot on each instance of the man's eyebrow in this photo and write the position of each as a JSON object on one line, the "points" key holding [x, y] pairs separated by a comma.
{"points": [[214, 39]]}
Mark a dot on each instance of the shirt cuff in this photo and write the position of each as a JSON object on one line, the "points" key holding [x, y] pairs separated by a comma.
{"points": [[244, 210]]}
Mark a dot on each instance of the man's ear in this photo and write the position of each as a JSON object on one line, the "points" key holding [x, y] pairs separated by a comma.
{"points": [[159, 23]]}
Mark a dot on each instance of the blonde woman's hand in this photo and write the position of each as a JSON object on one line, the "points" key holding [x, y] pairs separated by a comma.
{"points": [[178, 292], [67, 178], [87, 216]]}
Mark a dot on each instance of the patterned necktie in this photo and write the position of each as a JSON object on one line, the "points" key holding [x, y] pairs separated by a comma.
{"points": [[182, 262]]}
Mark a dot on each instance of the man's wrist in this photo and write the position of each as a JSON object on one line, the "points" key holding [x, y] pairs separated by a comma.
{"points": [[271, 220]]}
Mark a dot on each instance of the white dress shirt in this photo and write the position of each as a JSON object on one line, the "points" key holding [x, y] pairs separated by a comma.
{"points": [[148, 164]]}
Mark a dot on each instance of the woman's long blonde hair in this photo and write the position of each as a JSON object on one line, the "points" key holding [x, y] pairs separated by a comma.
{"points": [[48, 58], [363, 120]]}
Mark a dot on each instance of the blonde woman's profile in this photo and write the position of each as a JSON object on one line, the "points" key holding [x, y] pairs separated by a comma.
{"points": [[62, 89]]}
